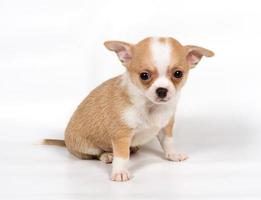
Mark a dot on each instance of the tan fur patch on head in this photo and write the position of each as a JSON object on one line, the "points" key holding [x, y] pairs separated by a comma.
{"points": [[146, 58], [177, 62], [142, 62]]}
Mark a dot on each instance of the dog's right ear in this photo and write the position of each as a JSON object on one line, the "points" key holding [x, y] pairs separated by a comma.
{"points": [[122, 49]]}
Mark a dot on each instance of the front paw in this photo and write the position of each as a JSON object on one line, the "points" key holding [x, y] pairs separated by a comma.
{"points": [[120, 176], [177, 157]]}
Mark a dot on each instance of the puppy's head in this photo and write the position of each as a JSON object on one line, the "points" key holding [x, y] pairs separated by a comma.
{"points": [[158, 66]]}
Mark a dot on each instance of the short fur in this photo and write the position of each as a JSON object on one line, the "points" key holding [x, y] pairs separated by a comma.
{"points": [[125, 112]]}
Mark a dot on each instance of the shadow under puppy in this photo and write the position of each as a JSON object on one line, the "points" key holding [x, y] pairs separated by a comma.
{"points": [[129, 110]]}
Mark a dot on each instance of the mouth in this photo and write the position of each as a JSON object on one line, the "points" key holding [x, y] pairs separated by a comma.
{"points": [[161, 101], [157, 100]]}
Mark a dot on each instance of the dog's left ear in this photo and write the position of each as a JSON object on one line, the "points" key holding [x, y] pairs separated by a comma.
{"points": [[195, 53], [122, 49]]}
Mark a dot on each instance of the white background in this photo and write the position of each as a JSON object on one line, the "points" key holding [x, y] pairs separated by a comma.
{"points": [[52, 55]]}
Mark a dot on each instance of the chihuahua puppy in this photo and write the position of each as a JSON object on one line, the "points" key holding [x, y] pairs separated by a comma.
{"points": [[131, 109]]}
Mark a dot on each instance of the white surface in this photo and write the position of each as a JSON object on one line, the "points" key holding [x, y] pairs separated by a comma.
{"points": [[51, 56]]}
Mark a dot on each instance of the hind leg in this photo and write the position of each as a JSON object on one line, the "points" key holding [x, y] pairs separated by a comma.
{"points": [[106, 157], [83, 156], [85, 151]]}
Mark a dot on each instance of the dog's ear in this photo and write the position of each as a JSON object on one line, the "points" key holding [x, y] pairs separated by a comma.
{"points": [[195, 53], [122, 49]]}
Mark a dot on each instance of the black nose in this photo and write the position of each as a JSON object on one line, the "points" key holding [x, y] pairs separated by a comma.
{"points": [[162, 92]]}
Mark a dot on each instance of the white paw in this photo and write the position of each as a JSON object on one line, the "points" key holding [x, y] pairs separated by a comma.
{"points": [[106, 158], [120, 176], [177, 157]]}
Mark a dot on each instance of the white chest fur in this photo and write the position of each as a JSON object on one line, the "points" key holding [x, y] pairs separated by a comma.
{"points": [[147, 120]]}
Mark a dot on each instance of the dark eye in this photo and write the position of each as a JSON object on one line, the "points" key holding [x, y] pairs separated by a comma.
{"points": [[178, 74], [144, 76]]}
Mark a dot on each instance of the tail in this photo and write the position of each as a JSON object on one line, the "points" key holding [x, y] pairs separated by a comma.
{"points": [[60, 143]]}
